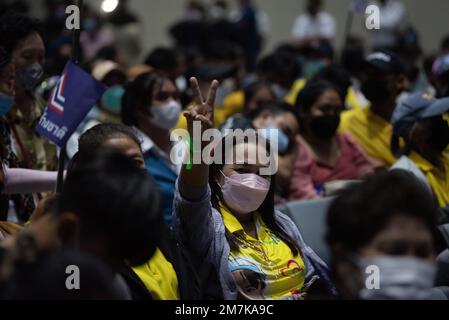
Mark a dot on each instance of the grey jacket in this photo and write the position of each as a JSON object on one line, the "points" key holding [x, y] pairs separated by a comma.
{"points": [[201, 228]]}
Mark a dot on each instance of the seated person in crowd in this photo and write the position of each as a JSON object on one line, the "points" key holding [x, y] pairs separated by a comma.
{"points": [[283, 119], [254, 96], [23, 38], [151, 105], [274, 77], [382, 82], [43, 276], [107, 208], [335, 74], [323, 155], [382, 235], [225, 213], [169, 274], [23, 205], [423, 122], [281, 69]]}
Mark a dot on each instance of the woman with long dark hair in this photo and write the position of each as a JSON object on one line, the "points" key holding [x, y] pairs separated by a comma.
{"points": [[225, 213]]}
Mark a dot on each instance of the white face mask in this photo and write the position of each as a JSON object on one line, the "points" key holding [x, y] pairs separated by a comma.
{"points": [[400, 278], [165, 116], [244, 193]]}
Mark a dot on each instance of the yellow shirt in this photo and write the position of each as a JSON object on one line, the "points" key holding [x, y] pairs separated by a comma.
{"points": [[297, 86], [371, 131], [439, 181], [159, 277], [233, 104], [263, 268], [352, 101]]}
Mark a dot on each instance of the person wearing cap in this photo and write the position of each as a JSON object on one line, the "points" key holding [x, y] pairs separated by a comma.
{"points": [[383, 80], [136, 70], [109, 107], [423, 122], [440, 74]]}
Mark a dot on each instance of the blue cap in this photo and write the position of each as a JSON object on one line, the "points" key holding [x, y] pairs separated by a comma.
{"points": [[415, 107], [440, 66], [386, 61]]}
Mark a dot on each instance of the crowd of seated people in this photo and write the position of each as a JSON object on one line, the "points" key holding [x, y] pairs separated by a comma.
{"points": [[143, 220]]}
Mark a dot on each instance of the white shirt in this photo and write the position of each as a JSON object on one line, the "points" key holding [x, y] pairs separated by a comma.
{"points": [[320, 26], [173, 160]]}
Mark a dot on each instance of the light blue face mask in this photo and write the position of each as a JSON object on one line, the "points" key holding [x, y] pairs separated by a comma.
{"points": [[5, 104], [270, 134], [112, 99]]}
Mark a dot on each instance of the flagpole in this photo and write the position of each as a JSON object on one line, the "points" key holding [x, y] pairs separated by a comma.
{"points": [[348, 27], [76, 36], [75, 60]]}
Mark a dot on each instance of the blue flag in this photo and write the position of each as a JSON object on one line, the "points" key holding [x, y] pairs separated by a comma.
{"points": [[72, 98]]}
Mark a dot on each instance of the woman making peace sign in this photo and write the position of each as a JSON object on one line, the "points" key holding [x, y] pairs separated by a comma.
{"points": [[226, 214]]}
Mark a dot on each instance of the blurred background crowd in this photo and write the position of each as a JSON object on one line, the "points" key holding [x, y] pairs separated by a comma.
{"points": [[354, 109]]}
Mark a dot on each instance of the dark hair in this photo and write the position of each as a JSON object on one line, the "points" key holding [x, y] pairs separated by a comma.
{"points": [[107, 53], [15, 27], [94, 138], [311, 92], [251, 90], [279, 67], [363, 210], [163, 59], [275, 108], [138, 95], [44, 278], [336, 75], [116, 200], [266, 209]]}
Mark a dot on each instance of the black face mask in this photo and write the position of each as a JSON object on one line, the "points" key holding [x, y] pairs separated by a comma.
{"points": [[375, 90], [324, 127]]}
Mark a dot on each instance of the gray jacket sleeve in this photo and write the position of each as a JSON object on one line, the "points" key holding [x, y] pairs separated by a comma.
{"points": [[193, 222]]}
